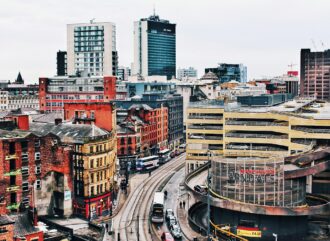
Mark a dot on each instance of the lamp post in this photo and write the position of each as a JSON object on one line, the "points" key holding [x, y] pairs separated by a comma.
{"points": [[275, 236], [208, 195]]}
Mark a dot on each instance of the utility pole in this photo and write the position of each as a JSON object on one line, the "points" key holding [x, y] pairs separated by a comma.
{"points": [[137, 231], [208, 196]]}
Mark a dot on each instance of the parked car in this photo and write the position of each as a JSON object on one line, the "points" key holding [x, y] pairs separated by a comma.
{"points": [[169, 213], [171, 221], [176, 231], [199, 189], [167, 237]]}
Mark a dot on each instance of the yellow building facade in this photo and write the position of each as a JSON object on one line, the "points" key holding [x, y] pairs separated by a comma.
{"points": [[253, 131]]}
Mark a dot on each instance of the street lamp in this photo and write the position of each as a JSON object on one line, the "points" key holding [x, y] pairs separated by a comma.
{"points": [[208, 195], [275, 236]]}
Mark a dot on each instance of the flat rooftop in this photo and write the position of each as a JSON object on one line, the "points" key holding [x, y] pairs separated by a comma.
{"points": [[295, 107]]}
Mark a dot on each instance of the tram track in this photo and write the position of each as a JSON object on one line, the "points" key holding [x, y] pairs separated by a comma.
{"points": [[133, 222]]}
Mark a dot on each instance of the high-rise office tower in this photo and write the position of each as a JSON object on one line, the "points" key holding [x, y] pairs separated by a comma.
{"points": [[154, 47], [92, 49], [228, 72], [315, 74], [61, 62]]}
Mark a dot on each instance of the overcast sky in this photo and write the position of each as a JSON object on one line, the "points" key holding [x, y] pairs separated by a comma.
{"points": [[265, 35]]}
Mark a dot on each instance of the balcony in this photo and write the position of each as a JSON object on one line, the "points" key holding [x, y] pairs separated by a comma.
{"points": [[13, 188], [13, 173], [11, 156], [13, 206]]}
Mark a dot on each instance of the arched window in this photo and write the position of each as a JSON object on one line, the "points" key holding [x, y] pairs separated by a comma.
{"points": [[122, 141]]}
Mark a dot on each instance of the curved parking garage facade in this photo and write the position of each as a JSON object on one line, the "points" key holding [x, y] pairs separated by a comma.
{"points": [[258, 183], [261, 182]]}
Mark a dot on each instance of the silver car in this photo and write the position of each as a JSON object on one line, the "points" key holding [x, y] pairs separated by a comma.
{"points": [[176, 231]]}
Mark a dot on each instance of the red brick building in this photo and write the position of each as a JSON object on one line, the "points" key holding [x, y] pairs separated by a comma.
{"points": [[6, 228], [26, 160], [101, 114], [142, 132], [153, 122], [55, 92]]}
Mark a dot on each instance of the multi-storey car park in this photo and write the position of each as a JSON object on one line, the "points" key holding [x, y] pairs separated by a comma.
{"points": [[261, 176]]}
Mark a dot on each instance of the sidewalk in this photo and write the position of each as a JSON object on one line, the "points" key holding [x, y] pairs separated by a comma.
{"points": [[182, 215]]}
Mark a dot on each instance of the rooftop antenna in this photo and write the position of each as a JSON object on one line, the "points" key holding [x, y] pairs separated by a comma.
{"points": [[154, 8], [92, 20]]}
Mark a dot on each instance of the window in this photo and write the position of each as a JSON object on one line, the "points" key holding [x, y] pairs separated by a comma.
{"points": [[38, 184], [25, 171], [122, 141], [38, 169], [3, 230], [37, 143], [25, 186], [92, 177], [91, 149], [37, 156], [92, 163], [92, 191]]}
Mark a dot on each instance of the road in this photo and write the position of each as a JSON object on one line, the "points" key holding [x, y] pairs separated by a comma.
{"points": [[174, 192], [132, 222]]}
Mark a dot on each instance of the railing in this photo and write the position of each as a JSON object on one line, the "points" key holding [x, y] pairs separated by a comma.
{"points": [[254, 123], [311, 130], [204, 117], [205, 127], [256, 148], [250, 135], [205, 137]]}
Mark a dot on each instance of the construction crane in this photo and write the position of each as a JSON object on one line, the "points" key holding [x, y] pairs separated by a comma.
{"points": [[322, 44], [314, 44], [291, 66]]}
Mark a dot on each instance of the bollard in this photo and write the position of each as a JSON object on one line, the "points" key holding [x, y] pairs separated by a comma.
{"points": [[118, 237]]}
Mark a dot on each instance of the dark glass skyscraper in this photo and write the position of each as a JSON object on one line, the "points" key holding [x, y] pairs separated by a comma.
{"points": [[154, 47]]}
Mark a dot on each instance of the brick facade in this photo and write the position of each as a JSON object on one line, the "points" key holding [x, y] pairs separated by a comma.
{"points": [[101, 114], [55, 92]]}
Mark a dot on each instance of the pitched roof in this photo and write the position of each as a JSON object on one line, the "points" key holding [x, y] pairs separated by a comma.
{"points": [[140, 106], [48, 118], [68, 132], [23, 225], [19, 79]]}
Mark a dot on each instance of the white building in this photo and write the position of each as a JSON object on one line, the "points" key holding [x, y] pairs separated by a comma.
{"points": [[186, 73], [91, 49], [12, 102], [193, 89], [3, 100]]}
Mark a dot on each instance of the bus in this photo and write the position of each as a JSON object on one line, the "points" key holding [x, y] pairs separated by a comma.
{"points": [[164, 156], [157, 215], [147, 163], [182, 148]]}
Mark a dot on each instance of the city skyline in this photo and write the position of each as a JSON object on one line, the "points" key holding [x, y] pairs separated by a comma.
{"points": [[268, 45]]}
